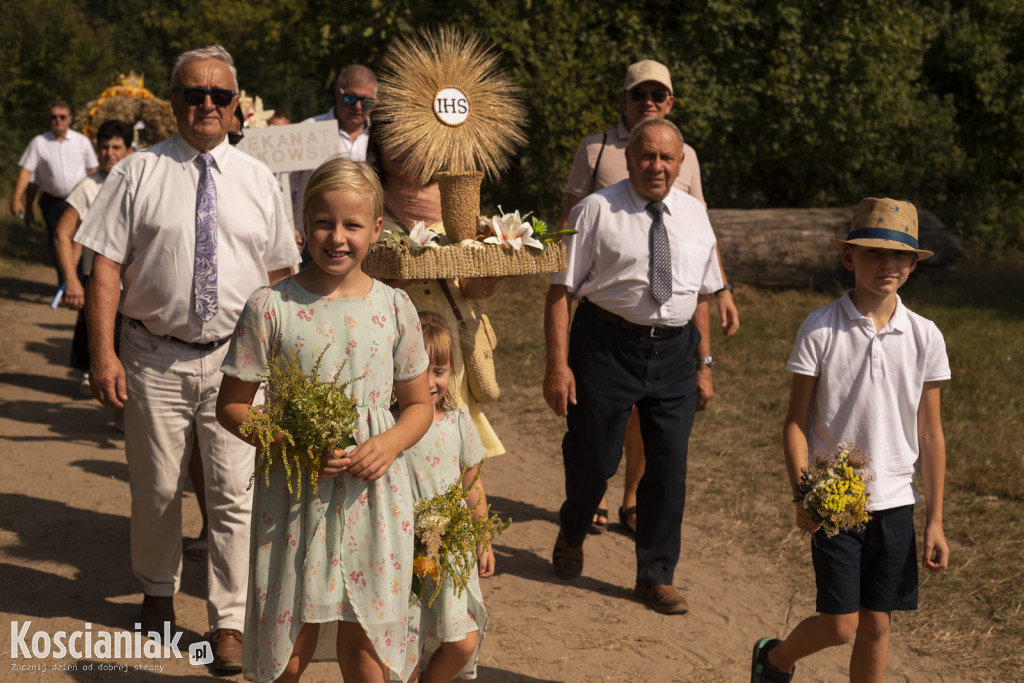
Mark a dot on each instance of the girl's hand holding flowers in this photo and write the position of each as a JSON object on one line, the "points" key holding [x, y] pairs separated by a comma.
{"points": [[334, 463], [370, 459], [486, 558]]}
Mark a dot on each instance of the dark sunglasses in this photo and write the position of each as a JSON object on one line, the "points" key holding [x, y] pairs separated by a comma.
{"points": [[58, 117], [640, 94], [193, 97], [350, 100]]}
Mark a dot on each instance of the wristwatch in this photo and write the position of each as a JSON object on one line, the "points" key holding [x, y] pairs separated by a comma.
{"points": [[726, 288], [704, 360]]}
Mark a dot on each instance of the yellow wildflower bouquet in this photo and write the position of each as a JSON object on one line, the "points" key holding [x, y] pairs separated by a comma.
{"points": [[834, 491], [446, 538], [312, 415]]}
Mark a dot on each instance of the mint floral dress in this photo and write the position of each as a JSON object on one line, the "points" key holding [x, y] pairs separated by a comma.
{"points": [[344, 553], [435, 463]]}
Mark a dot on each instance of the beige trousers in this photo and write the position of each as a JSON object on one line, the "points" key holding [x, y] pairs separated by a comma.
{"points": [[172, 394]]}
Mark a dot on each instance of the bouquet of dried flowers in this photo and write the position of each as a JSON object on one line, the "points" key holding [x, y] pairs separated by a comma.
{"points": [[834, 491], [447, 536], [312, 416]]}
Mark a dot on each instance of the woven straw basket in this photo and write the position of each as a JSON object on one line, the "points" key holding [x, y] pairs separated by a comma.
{"points": [[485, 260]]}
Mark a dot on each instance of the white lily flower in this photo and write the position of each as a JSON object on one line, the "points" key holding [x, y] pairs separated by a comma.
{"points": [[523, 234], [421, 237], [498, 230]]}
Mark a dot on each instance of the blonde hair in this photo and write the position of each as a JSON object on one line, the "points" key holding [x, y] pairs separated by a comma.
{"points": [[437, 340], [341, 173]]}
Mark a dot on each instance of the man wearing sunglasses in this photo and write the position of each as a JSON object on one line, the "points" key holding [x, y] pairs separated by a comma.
{"points": [[355, 95], [54, 161], [600, 162], [189, 227]]}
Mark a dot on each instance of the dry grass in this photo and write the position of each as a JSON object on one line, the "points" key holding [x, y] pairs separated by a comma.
{"points": [[415, 68], [970, 614]]}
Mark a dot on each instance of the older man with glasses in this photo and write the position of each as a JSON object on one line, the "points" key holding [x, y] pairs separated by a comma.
{"points": [[58, 160], [601, 162], [189, 227]]}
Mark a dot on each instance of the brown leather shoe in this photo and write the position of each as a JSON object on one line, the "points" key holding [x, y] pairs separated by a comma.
{"points": [[567, 559], [155, 611], [227, 650], [662, 599]]}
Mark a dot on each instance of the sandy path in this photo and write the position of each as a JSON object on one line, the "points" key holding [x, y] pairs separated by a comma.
{"points": [[64, 507]]}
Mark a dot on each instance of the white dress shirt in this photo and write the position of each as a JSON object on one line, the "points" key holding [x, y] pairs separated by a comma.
{"points": [[145, 219], [59, 165], [353, 148], [608, 257]]}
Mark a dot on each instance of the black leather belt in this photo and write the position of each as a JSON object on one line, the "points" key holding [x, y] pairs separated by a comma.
{"points": [[201, 346], [653, 331]]}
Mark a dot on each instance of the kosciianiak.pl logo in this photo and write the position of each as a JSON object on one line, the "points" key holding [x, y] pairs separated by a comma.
{"points": [[89, 644]]}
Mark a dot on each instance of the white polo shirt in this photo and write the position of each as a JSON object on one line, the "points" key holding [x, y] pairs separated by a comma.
{"points": [[869, 389], [59, 165], [608, 257], [145, 219]]}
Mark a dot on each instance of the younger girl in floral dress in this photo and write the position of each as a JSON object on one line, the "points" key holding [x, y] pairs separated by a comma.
{"points": [[331, 572], [447, 635]]}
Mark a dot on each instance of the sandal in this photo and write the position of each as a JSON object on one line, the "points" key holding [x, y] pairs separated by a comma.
{"points": [[624, 515], [597, 526], [761, 670]]}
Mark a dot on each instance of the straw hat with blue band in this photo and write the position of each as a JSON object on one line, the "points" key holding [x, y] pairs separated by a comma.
{"points": [[884, 224]]}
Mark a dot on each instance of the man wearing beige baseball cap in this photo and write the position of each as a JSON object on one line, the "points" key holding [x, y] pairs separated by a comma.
{"points": [[601, 162]]}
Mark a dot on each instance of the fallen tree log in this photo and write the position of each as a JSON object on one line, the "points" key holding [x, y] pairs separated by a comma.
{"points": [[790, 247]]}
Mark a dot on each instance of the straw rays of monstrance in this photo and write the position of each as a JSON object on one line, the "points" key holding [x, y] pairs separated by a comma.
{"points": [[423, 76]]}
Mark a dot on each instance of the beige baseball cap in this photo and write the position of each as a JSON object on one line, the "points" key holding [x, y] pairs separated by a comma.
{"points": [[648, 70]]}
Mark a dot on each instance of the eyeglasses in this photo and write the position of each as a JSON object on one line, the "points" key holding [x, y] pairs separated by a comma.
{"points": [[193, 97], [58, 117], [640, 94], [350, 100]]}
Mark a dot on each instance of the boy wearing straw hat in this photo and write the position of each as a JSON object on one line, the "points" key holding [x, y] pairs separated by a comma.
{"points": [[866, 370]]}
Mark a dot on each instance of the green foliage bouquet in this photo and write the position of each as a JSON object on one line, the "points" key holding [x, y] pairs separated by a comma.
{"points": [[834, 491], [311, 417], [447, 537]]}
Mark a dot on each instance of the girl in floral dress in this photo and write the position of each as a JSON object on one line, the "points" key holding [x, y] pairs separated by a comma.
{"points": [[330, 573], [447, 635]]}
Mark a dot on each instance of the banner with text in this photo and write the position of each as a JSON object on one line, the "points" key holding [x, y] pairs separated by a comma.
{"points": [[295, 147]]}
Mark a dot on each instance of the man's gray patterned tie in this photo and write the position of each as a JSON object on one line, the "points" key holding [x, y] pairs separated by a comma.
{"points": [[204, 276], [660, 270]]}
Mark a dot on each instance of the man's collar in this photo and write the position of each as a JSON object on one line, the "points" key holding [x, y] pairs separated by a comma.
{"points": [[641, 202], [188, 153], [621, 129]]}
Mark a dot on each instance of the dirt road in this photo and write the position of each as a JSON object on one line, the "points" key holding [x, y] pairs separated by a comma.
{"points": [[64, 505]]}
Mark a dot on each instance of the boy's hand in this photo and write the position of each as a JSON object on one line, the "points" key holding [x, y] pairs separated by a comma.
{"points": [[486, 558], [371, 459], [936, 551], [804, 521]]}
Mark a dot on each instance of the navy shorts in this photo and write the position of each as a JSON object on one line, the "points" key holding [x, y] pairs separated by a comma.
{"points": [[875, 568]]}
